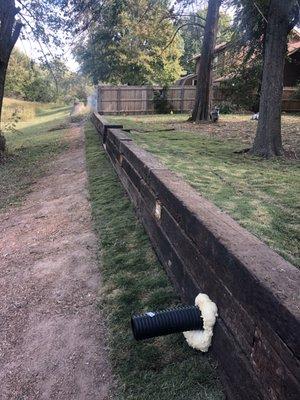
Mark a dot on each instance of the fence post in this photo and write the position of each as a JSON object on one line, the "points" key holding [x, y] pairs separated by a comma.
{"points": [[118, 100], [99, 104], [149, 100], [182, 99]]}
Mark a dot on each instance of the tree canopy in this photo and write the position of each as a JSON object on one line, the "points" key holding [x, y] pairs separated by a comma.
{"points": [[192, 33], [32, 81], [130, 44]]}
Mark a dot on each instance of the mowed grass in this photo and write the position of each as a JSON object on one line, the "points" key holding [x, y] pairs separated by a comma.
{"points": [[134, 281], [39, 137], [262, 195]]}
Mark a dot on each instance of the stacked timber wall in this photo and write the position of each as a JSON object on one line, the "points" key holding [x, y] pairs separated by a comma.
{"points": [[257, 335], [140, 99]]}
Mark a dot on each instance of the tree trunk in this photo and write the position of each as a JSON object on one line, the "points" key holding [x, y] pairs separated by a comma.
{"points": [[3, 69], [204, 74], [9, 34], [267, 142]]}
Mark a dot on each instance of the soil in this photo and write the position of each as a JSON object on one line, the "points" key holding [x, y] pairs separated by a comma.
{"points": [[52, 336]]}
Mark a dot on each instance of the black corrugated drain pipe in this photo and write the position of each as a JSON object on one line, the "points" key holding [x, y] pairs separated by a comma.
{"points": [[159, 323]]}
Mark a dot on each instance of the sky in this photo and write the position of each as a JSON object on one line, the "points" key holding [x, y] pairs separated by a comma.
{"points": [[31, 49]]}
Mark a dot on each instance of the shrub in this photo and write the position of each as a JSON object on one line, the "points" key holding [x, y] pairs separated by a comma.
{"points": [[296, 95], [242, 90], [226, 107], [161, 103]]}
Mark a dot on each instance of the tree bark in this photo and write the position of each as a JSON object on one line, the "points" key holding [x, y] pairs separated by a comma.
{"points": [[202, 105], [10, 30], [3, 69], [267, 142]]}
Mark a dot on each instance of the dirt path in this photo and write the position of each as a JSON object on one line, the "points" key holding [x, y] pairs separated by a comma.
{"points": [[51, 334]]}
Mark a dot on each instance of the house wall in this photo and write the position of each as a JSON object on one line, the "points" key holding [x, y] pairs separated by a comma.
{"points": [[222, 61], [292, 70]]}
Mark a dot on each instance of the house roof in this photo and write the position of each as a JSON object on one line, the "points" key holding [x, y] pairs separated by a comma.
{"points": [[218, 48], [182, 80], [293, 47]]}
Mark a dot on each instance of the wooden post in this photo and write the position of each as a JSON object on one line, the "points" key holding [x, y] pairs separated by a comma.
{"points": [[182, 99], [150, 106], [99, 104], [144, 97], [118, 100]]}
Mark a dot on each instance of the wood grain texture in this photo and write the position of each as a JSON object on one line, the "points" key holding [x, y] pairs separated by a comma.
{"points": [[256, 338]]}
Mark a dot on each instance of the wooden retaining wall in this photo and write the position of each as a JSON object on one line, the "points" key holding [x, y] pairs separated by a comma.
{"points": [[257, 335], [140, 99]]}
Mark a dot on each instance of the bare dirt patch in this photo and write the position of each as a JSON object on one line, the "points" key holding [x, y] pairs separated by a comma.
{"points": [[52, 337]]}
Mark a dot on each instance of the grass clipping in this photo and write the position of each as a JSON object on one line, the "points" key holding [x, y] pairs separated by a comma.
{"points": [[201, 339]]}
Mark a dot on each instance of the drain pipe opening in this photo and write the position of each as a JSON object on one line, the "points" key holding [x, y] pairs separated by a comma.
{"points": [[196, 323]]}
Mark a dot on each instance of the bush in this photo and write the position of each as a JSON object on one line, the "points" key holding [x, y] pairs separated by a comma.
{"points": [[296, 95], [161, 103], [242, 90], [226, 107]]}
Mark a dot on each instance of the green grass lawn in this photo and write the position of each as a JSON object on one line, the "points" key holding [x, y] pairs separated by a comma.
{"points": [[132, 281], [262, 195], [38, 138]]}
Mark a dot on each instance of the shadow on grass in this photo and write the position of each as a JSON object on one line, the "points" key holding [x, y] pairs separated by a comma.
{"points": [[262, 195], [51, 110], [22, 168], [28, 154]]}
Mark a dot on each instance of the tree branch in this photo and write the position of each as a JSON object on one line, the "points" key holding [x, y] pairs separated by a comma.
{"points": [[295, 19], [16, 34], [178, 29], [261, 13], [42, 50]]}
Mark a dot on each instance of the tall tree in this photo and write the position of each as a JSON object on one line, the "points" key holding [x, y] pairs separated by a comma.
{"points": [[40, 18], [204, 74], [281, 18], [129, 44], [192, 33], [10, 28]]}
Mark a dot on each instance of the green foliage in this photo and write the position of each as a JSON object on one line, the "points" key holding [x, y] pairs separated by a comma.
{"points": [[161, 103], [27, 80], [192, 34], [17, 75], [228, 107], [40, 88], [243, 88], [296, 95], [45, 83], [131, 44], [250, 24]]}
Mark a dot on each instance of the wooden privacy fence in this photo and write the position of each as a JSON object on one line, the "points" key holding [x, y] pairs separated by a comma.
{"points": [[140, 99]]}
